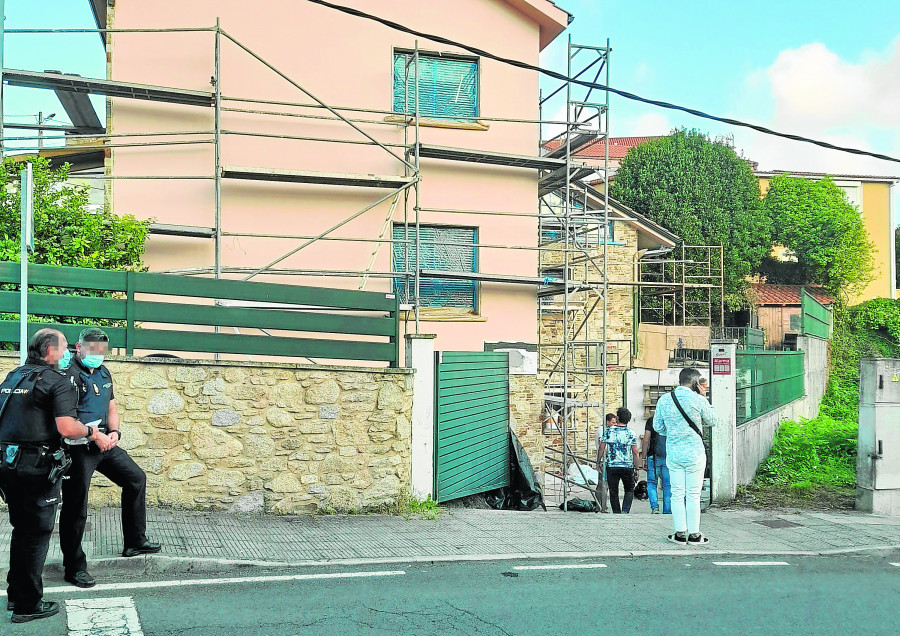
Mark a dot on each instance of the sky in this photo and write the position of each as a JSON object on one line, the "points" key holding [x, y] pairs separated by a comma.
{"points": [[817, 68]]}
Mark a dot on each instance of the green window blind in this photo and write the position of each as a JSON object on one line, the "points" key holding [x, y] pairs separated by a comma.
{"points": [[445, 248], [448, 87]]}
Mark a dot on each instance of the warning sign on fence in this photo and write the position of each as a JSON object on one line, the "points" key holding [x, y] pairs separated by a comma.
{"points": [[721, 366]]}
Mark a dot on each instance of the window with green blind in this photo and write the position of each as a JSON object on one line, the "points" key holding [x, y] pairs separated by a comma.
{"points": [[445, 248], [448, 86]]}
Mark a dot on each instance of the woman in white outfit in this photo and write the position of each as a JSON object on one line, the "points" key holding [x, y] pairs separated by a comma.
{"points": [[685, 453]]}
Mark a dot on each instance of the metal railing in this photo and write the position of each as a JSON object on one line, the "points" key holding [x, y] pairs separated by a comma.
{"points": [[767, 380], [200, 309], [747, 337]]}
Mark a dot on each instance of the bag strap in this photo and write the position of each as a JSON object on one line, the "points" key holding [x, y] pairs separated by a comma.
{"points": [[685, 415]]}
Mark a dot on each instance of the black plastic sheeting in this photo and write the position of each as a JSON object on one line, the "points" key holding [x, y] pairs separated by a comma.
{"points": [[524, 492]]}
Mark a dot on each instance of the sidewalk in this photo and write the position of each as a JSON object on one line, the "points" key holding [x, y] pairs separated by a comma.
{"points": [[463, 534]]}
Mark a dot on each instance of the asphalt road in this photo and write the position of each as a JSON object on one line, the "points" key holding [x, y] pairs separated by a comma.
{"points": [[653, 595]]}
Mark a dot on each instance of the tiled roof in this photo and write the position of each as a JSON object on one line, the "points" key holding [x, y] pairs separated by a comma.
{"points": [[618, 146], [857, 177], [789, 294]]}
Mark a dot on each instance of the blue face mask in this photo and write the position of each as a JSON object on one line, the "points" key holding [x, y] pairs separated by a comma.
{"points": [[92, 362], [65, 360]]}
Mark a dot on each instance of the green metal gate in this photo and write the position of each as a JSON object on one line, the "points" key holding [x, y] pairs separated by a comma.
{"points": [[471, 423]]}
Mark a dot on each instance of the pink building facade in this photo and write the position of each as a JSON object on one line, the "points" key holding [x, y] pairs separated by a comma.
{"points": [[346, 62]]}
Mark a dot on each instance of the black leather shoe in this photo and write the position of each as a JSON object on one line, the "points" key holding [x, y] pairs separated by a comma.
{"points": [[80, 579], [147, 548], [41, 610]]}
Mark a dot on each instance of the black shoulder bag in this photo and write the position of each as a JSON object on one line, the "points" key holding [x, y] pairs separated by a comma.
{"points": [[685, 415]]}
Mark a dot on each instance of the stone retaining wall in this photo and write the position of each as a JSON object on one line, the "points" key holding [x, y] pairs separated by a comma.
{"points": [[277, 438]]}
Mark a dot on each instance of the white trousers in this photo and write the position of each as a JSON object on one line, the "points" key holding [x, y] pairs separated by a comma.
{"points": [[686, 479]]}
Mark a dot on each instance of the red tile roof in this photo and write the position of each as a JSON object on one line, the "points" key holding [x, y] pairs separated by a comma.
{"points": [[618, 146], [789, 294], [856, 177]]}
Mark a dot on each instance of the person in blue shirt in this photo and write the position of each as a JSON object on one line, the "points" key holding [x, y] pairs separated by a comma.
{"points": [[97, 404], [654, 454], [621, 461], [685, 453]]}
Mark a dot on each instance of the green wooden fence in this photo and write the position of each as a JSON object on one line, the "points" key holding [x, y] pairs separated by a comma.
{"points": [[815, 318], [471, 423], [767, 380], [164, 325]]}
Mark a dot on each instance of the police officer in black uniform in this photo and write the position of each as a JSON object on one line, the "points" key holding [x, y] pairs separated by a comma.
{"points": [[97, 404], [37, 407]]}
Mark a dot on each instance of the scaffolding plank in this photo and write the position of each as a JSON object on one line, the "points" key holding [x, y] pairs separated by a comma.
{"points": [[493, 158], [191, 231], [578, 142], [110, 88], [557, 179], [488, 278], [321, 178]]}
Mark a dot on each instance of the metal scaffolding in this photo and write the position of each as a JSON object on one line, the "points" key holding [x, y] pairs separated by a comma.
{"points": [[574, 218]]}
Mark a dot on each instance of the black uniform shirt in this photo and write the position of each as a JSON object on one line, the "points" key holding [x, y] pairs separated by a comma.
{"points": [[54, 390], [52, 396]]}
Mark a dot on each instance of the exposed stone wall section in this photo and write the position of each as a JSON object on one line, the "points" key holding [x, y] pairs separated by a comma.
{"points": [[619, 327], [526, 399], [282, 439]]}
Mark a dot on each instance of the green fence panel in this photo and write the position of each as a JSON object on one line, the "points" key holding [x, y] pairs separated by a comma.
{"points": [[756, 338], [767, 380], [168, 285], [66, 277], [815, 318], [471, 423], [376, 336], [9, 331]]}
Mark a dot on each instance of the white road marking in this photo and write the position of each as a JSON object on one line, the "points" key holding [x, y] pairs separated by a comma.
{"points": [[750, 563], [896, 565], [115, 616], [145, 585], [574, 566]]}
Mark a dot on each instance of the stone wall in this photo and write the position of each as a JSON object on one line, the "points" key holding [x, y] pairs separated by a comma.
{"points": [[526, 403], [620, 321], [279, 438]]}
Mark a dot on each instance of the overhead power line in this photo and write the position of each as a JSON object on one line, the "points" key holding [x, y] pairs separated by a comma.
{"points": [[617, 91]]}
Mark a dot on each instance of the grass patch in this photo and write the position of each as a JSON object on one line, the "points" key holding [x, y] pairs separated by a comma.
{"points": [[411, 507]]}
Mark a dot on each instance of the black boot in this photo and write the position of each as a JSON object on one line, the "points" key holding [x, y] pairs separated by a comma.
{"points": [[43, 609]]}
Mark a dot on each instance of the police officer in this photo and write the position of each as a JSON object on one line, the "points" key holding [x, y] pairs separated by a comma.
{"points": [[97, 403], [37, 406]]}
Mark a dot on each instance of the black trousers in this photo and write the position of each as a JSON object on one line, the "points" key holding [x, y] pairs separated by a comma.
{"points": [[32, 502], [626, 475], [119, 468]]}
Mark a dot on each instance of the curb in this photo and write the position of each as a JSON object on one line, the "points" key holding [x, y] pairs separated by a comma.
{"points": [[164, 564]]}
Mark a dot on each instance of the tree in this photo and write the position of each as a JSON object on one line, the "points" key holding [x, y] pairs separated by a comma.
{"points": [[824, 231], [66, 232], [704, 192]]}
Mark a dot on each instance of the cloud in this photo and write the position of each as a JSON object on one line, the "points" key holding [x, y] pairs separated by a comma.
{"points": [[816, 93], [645, 125]]}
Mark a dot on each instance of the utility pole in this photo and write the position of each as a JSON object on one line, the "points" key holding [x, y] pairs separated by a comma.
{"points": [[40, 121], [26, 197]]}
